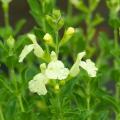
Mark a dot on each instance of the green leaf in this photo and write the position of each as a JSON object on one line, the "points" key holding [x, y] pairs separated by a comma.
{"points": [[109, 100], [19, 26], [79, 4], [55, 20], [36, 10], [93, 5], [97, 20]]}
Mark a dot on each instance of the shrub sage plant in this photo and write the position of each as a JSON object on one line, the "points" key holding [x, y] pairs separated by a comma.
{"points": [[48, 72]]}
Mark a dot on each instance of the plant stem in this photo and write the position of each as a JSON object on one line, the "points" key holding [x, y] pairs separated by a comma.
{"points": [[13, 78], [88, 98], [60, 115], [44, 25], [1, 114], [21, 103], [69, 10], [6, 86], [6, 13], [117, 87], [116, 38], [57, 44]]}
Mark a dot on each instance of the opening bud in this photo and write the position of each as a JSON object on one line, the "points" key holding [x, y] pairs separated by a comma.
{"points": [[10, 42], [48, 39]]}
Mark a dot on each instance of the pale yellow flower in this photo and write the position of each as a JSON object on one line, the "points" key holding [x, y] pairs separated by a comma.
{"points": [[56, 69], [38, 51], [75, 68], [90, 67], [37, 84], [26, 50]]}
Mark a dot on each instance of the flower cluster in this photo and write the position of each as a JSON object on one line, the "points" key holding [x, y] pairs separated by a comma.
{"points": [[55, 70]]}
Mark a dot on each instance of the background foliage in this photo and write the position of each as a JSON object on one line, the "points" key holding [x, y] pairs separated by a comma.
{"points": [[16, 101]]}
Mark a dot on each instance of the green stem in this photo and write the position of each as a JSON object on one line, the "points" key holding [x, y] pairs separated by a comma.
{"points": [[117, 87], [13, 78], [57, 43], [69, 10], [117, 96], [6, 13], [1, 114], [88, 98], [21, 103], [116, 38], [60, 114], [6, 86], [117, 92], [44, 25]]}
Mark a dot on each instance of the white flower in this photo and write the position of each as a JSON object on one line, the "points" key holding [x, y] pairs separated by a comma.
{"points": [[26, 50], [90, 67], [75, 68], [37, 84], [38, 51], [56, 69]]}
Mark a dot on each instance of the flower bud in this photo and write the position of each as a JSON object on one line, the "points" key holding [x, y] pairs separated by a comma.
{"points": [[48, 39], [56, 87], [62, 82], [10, 42], [43, 67], [53, 56], [41, 105], [67, 35], [70, 31]]}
